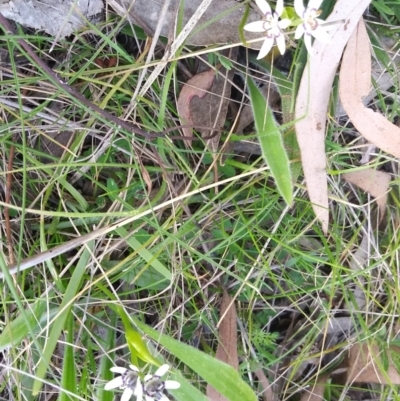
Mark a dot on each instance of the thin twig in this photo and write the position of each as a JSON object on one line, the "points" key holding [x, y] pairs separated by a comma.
{"points": [[59, 82]]}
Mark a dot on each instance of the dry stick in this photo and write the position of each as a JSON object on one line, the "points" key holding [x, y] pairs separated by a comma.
{"points": [[77, 95]]}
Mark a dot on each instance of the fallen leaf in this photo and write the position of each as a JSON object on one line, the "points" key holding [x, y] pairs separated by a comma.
{"points": [[316, 392], [354, 84], [227, 344], [211, 110], [312, 103], [199, 85], [373, 181], [366, 364]]}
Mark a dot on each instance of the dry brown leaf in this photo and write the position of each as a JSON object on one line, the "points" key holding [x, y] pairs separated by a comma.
{"points": [[227, 345], [316, 392], [365, 365], [211, 110], [354, 84], [373, 181], [312, 103], [199, 85]]}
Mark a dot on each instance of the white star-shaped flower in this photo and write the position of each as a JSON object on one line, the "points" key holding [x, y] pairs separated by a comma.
{"points": [[129, 381], [311, 25], [271, 25], [154, 386]]}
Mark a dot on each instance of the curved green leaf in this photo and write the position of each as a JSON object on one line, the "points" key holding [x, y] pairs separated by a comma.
{"points": [[271, 143], [221, 376]]}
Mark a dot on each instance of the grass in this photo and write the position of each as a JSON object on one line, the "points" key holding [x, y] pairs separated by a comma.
{"points": [[157, 237]]}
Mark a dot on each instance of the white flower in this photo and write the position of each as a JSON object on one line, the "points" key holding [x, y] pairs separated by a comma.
{"points": [[311, 25], [271, 26], [153, 386], [129, 381]]}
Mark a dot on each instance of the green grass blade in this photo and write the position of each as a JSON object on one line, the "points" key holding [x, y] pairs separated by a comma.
{"points": [[18, 329], [271, 143], [59, 322], [225, 379], [68, 380], [144, 253], [106, 363]]}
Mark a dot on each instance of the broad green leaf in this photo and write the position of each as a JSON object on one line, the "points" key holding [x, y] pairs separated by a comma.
{"points": [[187, 392], [59, 322], [68, 381], [286, 89], [14, 332], [271, 143], [221, 376], [135, 342]]}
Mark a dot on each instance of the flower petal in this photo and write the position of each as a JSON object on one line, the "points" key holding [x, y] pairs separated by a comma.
{"points": [[321, 35], [133, 367], [114, 383], [299, 31], [127, 394], [279, 7], [299, 7], [263, 6], [257, 26], [314, 4], [147, 377], [148, 398], [307, 41], [162, 370], [284, 23], [164, 398], [138, 391], [118, 369], [266, 47], [280, 40], [171, 384]]}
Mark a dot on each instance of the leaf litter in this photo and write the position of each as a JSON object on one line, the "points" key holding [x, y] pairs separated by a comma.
{"points": [[313, 99], [355, 84], [227, 350]]}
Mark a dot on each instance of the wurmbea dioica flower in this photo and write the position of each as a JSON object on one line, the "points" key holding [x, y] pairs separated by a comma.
{"points": [[311, 25], [271, 25], [154, 386], [129, 381]]}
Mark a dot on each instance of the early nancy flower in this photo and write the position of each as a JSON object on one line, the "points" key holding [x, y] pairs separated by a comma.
{"points": [[129, 381], [271, 26], [311, 25], [154, 386]]}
